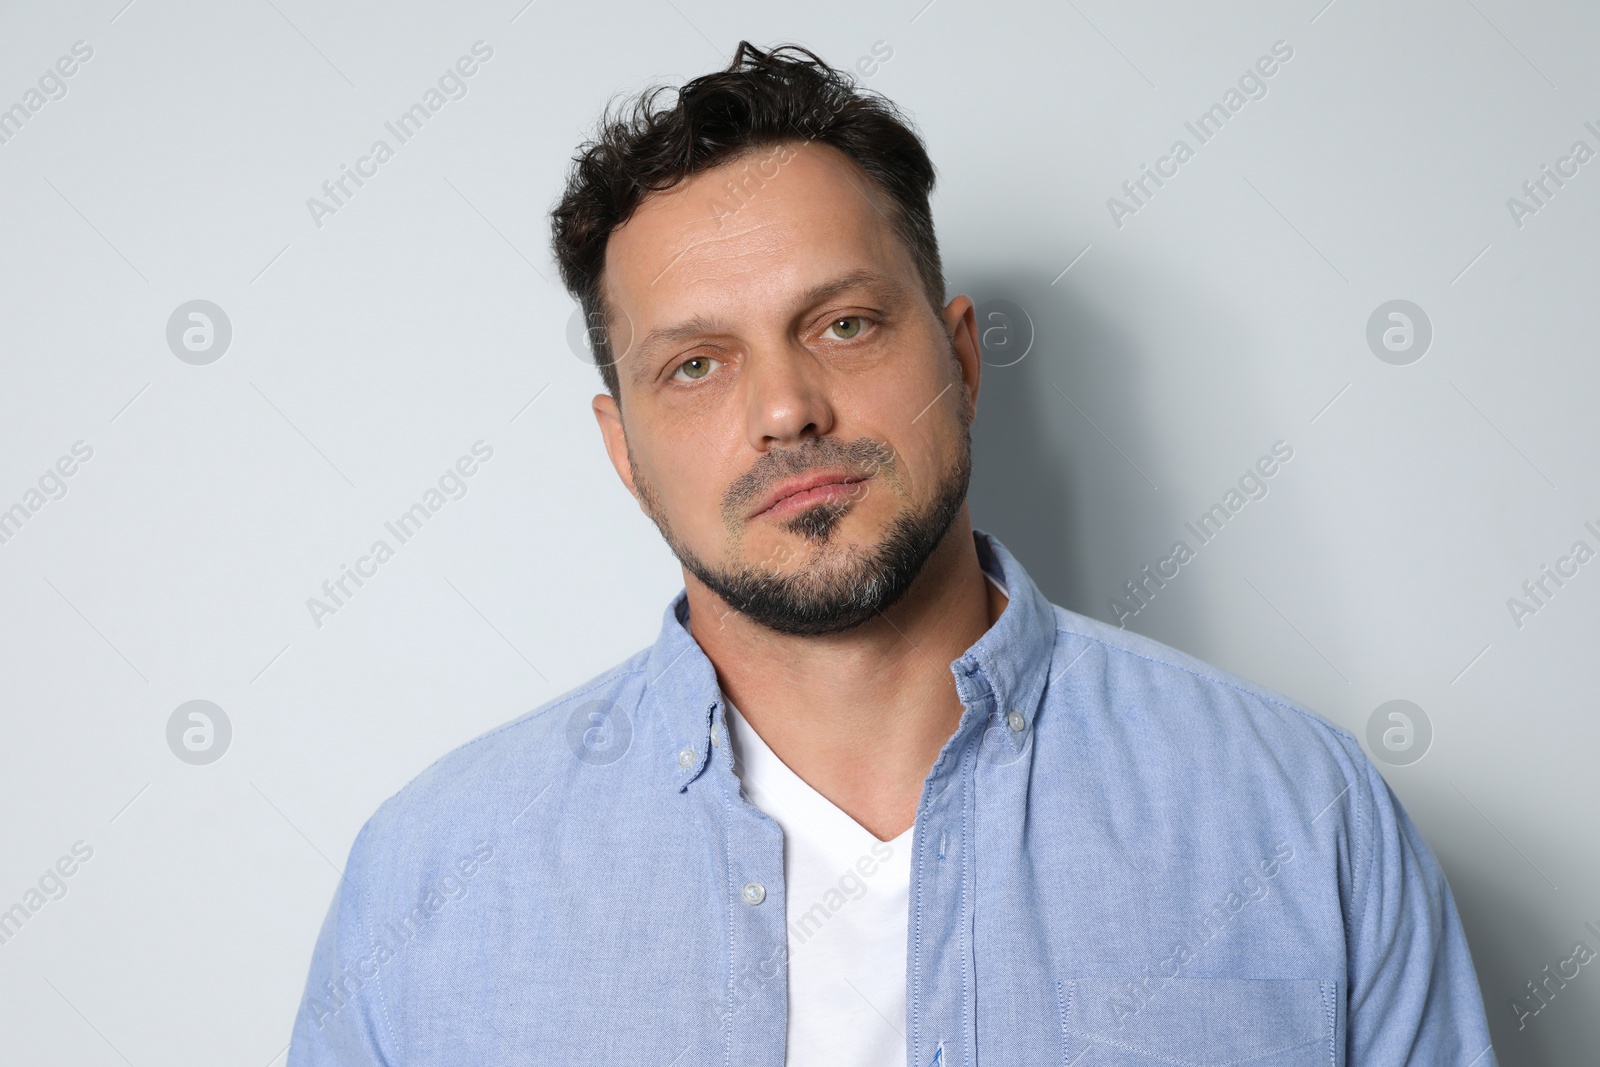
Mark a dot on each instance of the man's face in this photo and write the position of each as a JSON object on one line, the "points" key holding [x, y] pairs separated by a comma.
{"points": [[795, 416]]}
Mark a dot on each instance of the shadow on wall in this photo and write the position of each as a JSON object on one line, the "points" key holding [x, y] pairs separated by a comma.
{"points": [[1042, 481]]}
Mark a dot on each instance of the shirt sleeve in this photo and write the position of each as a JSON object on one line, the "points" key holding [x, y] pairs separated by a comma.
{"points": [[342, 1021], [1414, 996]]}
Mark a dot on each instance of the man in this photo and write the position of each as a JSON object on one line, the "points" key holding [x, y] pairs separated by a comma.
{"points": [[870, 799]]}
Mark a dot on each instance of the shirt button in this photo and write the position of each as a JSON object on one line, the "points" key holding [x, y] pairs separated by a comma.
{"points": [[686, 757], [1016, 721], [754, 892], [713, 737]]}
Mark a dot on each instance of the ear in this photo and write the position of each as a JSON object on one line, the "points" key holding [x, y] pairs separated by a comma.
{"points": [[609, 416], [961, 324]]}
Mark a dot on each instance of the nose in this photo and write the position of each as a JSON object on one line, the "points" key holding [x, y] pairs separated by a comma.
{"points": [[786, 398]]}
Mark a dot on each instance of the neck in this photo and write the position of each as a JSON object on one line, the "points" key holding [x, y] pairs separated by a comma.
{"points": [[860, 716]]}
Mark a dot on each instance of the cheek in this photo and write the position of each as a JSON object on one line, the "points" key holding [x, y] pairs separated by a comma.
{"points": [[918, 416], [902, 398], [688, 474]]}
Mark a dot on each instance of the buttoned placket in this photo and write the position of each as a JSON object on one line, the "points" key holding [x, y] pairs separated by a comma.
{"points": [[939, 947], [754, 1026], [941, 994]]}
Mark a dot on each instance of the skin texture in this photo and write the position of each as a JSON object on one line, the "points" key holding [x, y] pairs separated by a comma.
{"points": [[831, 625]]}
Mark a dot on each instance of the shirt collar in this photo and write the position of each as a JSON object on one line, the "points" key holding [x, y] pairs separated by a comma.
{"points": [[1009, 663]]}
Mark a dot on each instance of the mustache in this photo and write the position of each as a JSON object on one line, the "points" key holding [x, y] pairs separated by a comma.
{"points": [[863, 457]]}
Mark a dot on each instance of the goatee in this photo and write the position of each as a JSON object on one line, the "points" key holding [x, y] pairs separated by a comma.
{"points": [[846, 587]]}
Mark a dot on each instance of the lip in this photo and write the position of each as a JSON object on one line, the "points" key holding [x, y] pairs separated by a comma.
{"points": [[811, 488]]}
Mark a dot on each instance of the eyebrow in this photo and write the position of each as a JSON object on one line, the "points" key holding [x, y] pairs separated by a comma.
{"points": [[880, 284]]}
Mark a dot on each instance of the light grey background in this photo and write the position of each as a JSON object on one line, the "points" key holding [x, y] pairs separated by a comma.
{"points": [[370, 352]]}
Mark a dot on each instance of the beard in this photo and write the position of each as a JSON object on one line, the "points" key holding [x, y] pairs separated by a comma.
{"points": [[839, 588]]}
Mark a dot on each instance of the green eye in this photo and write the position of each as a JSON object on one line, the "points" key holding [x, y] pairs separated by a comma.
{"points": [[696, 368], [847, 332]]}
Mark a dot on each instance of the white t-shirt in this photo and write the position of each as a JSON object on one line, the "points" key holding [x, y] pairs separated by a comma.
{"points": [[847, 896], [847, 906]]}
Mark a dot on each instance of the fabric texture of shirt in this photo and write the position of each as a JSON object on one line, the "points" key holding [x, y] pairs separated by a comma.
{"points": [[846, 897], [1121, 856]]}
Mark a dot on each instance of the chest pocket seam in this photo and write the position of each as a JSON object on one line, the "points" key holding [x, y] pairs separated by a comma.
{"points": [[1068, 994]]}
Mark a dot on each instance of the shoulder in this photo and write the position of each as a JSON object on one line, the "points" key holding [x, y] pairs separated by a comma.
{"points": [[1167, 684], [1175, 724], [474, 794]]}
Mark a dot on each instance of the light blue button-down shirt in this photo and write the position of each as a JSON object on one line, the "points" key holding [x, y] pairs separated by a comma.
{"points": [[1122, 856]]}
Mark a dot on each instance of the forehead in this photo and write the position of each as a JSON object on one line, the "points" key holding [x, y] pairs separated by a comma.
{"points": [[705, 248]]}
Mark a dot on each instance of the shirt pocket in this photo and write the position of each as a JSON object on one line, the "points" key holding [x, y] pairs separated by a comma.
{"points": [[1199, 1022]]}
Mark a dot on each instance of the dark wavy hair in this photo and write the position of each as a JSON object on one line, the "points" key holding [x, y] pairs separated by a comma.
{"points": [[761, 100]]}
